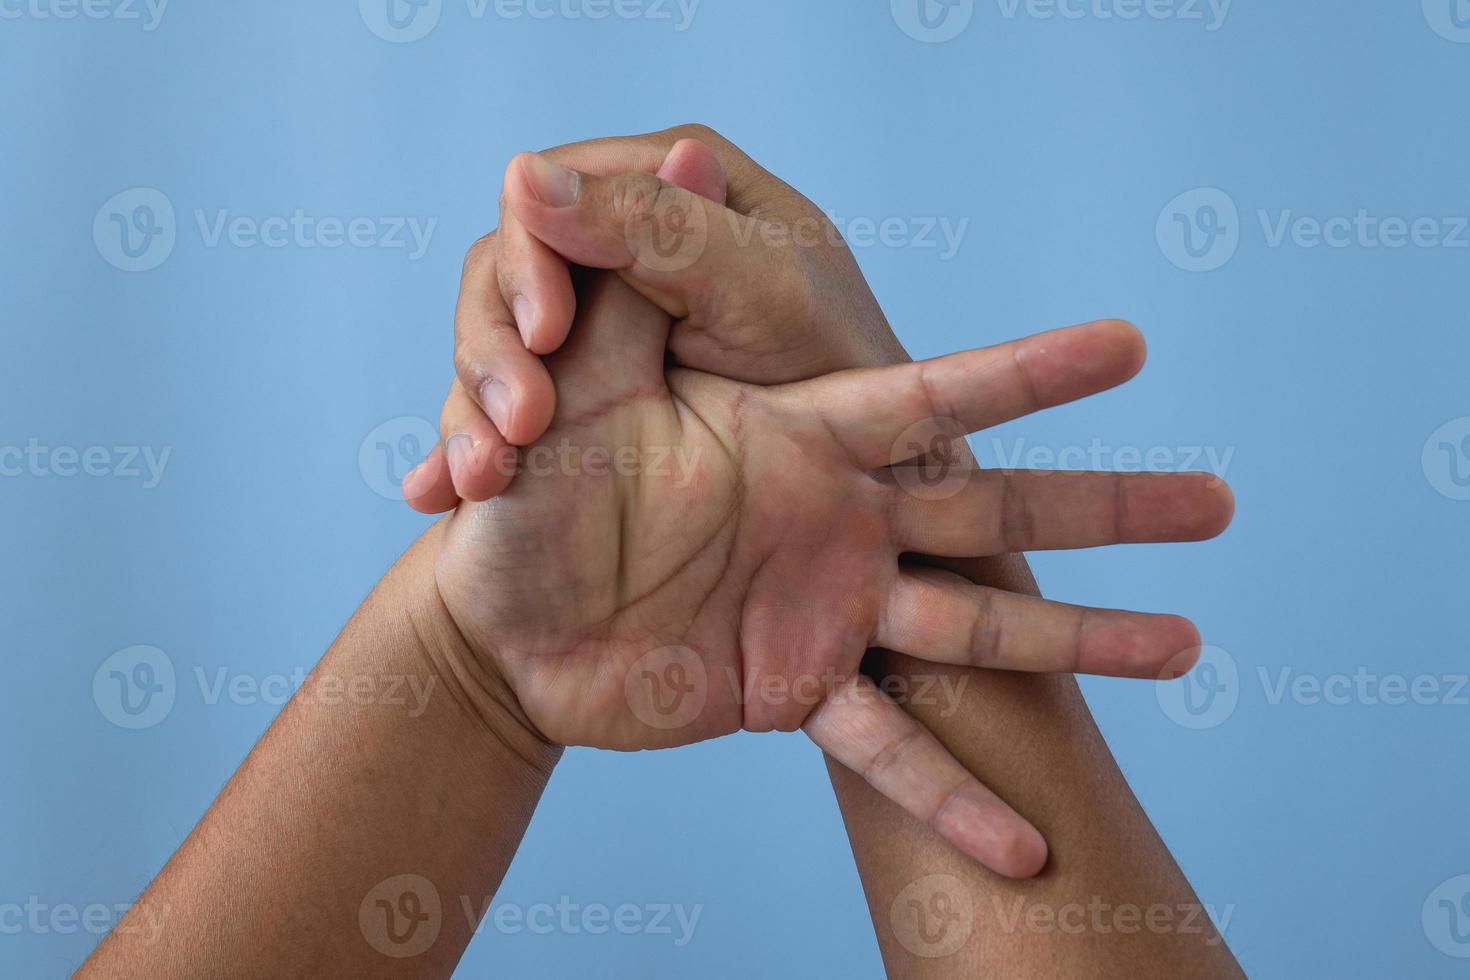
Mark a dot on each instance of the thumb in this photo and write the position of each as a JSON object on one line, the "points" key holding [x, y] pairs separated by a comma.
{"points": [[678, 248]]}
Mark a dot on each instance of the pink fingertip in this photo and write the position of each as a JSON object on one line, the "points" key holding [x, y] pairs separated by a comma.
{"points": [[993, 835], [419, 481]]}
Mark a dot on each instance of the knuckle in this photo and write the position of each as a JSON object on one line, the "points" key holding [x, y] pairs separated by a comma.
{"points": [[448, 421], [893, 755], [696, 131], [480, 253], [1017, 521], [984, 642], [636, 195], [469, 365]]}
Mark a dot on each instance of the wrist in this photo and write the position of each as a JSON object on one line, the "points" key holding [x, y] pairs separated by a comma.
{"points": [[471, 691]]}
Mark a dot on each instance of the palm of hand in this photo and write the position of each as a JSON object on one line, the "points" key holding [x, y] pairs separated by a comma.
{"points": [[682, 556]]}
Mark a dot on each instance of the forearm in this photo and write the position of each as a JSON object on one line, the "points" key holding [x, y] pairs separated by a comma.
{"points": [[345, 792], [1031, 739], [1111, 903]]}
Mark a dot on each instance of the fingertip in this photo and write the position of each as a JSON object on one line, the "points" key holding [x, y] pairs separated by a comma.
{"points": [[523, 311], [1142, 645], [538, 329], [693, 166], [428, 488], [517, 164], [1177, 507], [543, 300], [551, 184], [1074, 362], [1019, 852], [520, 407], [1222, 503], [481, 466], [514, 185], [536, 406], [1211, 508], [1184, 646], [992, 834], [1127, 345], [542, 340], [1027, 855]]}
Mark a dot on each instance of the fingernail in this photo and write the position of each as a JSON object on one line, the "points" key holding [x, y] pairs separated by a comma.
{"points": [[554, 184], [524, 312], [458, 450], [495, 399], [416, 484]]}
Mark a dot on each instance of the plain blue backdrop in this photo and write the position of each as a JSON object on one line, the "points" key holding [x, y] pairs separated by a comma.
{"points": [[1169, 167]]}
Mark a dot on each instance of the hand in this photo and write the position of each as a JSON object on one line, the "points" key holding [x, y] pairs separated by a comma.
{"points": [[733, 569], [785, 312]]}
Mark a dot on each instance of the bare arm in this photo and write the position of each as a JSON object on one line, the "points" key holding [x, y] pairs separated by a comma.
{"points": [[1111, 902], [357, 839], [778, 313]]}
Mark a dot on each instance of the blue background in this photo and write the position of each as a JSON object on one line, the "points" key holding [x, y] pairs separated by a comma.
{"points": [[1324, 370]]}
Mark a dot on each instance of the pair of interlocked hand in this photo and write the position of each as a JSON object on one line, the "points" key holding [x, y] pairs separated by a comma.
{"points": [[686, 499]]}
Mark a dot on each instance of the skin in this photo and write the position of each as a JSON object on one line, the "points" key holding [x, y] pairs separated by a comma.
{"points": [[350, 822], [780, 313], [757, 572], [284, 875], [296, 869]]}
